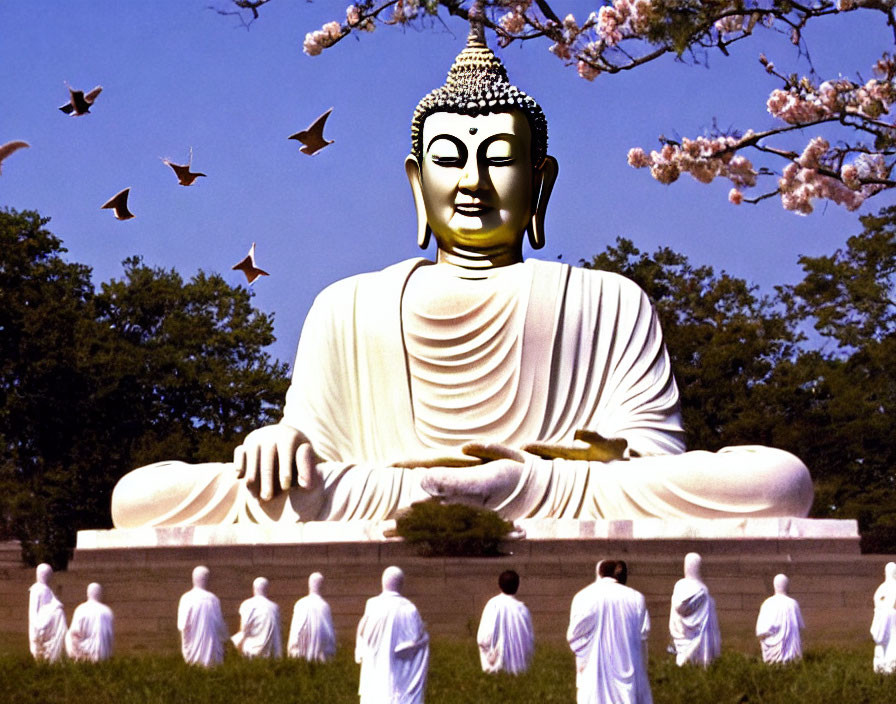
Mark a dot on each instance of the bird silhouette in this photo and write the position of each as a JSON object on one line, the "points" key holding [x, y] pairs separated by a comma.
{"points": [[185, 177], [313, 137], [119, 205], [247, 266], [11, 147], [79, 103]]}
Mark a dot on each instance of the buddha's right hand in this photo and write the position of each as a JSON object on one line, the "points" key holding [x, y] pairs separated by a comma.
{"points": [[271, 456]]}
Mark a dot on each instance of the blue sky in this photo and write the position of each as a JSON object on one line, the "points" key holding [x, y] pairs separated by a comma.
{"points": [[175, 75]]}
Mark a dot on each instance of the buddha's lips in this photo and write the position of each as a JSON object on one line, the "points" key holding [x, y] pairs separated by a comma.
{"points": [[471, 208]]}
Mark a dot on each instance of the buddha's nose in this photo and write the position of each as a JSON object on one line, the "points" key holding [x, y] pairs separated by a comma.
{"points": [[472, 178]]}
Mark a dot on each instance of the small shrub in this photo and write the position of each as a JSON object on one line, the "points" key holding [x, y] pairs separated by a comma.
{"points": [[441, 529]]}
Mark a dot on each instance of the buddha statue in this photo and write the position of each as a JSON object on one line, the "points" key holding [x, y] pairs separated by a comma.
{"points": [[533, 388]]}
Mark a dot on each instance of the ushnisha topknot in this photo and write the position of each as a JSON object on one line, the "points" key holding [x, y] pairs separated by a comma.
{"points": [[477, 84]]}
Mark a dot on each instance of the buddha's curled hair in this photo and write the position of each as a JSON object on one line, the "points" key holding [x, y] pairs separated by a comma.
{"points": [[477, 84]]}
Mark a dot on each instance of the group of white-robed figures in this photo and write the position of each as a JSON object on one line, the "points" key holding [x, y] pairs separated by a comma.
{"points": [[204, 632]]}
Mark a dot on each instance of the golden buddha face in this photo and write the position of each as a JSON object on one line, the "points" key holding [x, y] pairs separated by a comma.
{"points": [[476, 177]]}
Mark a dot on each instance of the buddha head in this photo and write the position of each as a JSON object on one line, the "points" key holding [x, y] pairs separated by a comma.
{"points": [[479, 169]]}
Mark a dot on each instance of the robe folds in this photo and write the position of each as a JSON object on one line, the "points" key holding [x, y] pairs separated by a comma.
{"points": [[259, 634], [608, 629], [778, 628], [693, 623], [506, 638], [883, 627], [392, 647], [92, 633], [202, 628], [400, 366], [46, 623], [311, 633]]}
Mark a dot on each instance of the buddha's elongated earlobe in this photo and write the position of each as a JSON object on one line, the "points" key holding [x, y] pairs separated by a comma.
{"points": [[412, 169], [545, 177]]}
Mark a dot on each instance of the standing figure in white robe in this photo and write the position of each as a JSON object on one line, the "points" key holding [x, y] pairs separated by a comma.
{"points": [[506, 638], [693, 623], [201, 623], [779, 624], [92, 632], [259, 634], [311, 633], [608, 630], [46, 618], [392, 646], [883, 626]]}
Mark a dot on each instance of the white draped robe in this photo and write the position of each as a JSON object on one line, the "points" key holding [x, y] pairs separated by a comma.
{"points": [[46, 623], [202, 628], [92, 633], [608, 630], [259, 634], [883, 627], [693, 623], [411, 362], [392, 647], [311, 633], [778, 628], [506, 638]]}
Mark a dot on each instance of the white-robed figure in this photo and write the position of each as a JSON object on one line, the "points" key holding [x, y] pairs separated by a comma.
{"points": [[259, 634], [311, 633], [92, 633], [201, 623], [608, 629], [883, 626], [506, 638], [693, 623], [779, 624], [392, 646], [46, 618]]}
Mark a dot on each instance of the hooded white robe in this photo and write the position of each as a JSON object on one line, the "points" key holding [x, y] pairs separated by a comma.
{"points": [[693, 623], [259, 634], [534, 353], [883, 626], [778, 628], [202, 628], [92, 633], [311, 633], [46, 623], [608, 630], [392, 647], [506, 638]]}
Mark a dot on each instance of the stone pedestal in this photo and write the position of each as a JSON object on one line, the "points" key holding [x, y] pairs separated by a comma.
{"points": [[143, 579]]}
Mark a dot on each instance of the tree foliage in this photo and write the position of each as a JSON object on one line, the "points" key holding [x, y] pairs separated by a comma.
{"points": [[622, 35], [95, 383], [748, 374]]}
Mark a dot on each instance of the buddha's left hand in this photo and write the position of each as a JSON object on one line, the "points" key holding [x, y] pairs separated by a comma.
{"points": [[486, 484], [595, 448]]}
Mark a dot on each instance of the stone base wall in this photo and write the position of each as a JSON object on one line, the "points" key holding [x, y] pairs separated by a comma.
{"points": [[832, 581]]}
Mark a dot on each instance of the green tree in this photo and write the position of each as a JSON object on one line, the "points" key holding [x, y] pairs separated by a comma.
{"points": [[93, 384], [850, 298]]}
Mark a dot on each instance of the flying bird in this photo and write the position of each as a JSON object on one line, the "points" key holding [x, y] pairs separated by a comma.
{"points": [[119, 204], [247, 266], [185, 177], [313, 137], [11, 147], [79, 103]]}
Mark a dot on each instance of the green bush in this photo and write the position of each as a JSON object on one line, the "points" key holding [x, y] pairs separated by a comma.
{"points": [[440, 529]]}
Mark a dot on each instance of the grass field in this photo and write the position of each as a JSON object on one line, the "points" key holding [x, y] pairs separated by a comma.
{"points": [[823, 677]]}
